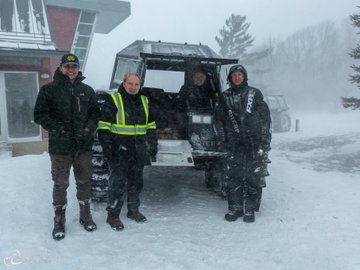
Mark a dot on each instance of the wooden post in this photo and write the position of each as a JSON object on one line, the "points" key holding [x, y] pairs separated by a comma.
{"points": [[297, 125]]}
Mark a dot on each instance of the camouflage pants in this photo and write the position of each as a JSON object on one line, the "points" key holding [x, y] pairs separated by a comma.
{"points": [[60, 171]]}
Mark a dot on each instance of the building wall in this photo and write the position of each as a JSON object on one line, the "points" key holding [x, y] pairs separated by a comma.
{"points": [[63, 23], [40, 59], [46, 66]]}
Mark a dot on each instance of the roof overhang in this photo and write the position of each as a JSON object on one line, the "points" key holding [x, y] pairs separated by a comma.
{"points": [[26, 56], [110, 12]]}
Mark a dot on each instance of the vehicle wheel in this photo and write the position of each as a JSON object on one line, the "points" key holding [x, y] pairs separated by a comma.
{"points": [[100, 175], [284, 123]]}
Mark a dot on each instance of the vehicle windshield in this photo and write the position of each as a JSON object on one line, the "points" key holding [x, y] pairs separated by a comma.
{"points": [[170, 81], [123, 66]]}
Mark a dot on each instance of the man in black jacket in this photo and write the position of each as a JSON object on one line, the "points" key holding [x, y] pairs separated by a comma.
{"points": [[198, 95], [126, 132], [244, 124], [68, 110]]}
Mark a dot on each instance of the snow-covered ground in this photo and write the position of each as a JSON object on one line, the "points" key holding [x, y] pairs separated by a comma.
{"points": [[309, 218]]}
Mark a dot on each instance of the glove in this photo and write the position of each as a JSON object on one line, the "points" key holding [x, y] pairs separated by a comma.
{"points": [[263, 153], [259, 169], [151, 152], [58, 130], [84, 137]]}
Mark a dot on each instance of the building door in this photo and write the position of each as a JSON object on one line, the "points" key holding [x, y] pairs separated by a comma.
{"points": [[18, 91]]}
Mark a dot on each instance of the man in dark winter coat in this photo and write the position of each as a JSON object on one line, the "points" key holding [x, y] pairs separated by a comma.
{"points": [[68, 110], [127, 133], [196, 96], [243, 119]]}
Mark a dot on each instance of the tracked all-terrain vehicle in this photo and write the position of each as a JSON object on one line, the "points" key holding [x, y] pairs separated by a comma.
{"points": [[166, 67]]}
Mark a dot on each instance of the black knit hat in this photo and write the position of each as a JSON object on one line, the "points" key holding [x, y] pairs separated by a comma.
{"points": [[69, 59], [238, 68]]}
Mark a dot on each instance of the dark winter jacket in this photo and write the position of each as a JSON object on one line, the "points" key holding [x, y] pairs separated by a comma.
{"points": [[134, 115], [242, 118], [65, 110], [194, 98]]}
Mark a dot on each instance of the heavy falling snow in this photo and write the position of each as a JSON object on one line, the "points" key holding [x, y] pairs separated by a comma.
{"points": [[309, 218]]}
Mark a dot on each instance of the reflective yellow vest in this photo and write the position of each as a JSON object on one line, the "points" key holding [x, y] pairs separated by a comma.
{"points": [[120, 127]]}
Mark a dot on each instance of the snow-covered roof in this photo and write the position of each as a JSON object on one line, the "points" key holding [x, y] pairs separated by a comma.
{"points": [[26, 41]]}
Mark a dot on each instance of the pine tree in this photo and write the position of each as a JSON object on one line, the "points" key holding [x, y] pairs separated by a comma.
{"points": [[234, 41], [352, 102]]}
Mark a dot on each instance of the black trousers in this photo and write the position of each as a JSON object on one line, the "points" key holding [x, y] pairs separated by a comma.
{"points": [[244, 191], [126, 178]]}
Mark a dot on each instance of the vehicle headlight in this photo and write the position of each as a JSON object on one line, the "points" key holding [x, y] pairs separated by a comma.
{"points": [[201, 119]]}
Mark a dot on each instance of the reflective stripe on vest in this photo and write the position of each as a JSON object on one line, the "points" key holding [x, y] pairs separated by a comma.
{"points": [[120, 126]]}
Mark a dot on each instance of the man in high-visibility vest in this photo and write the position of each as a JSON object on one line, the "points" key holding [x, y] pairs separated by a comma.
{"points": [[127, 133]]}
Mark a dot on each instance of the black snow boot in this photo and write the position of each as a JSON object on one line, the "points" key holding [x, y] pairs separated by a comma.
{"points": [[58, 232], [85, 216], [233, 215], [114, 221], [136, 215], [249, 216]]}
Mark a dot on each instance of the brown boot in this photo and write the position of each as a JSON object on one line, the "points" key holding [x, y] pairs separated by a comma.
{"points": [[114, 222], [58, 232], [85, 216]]}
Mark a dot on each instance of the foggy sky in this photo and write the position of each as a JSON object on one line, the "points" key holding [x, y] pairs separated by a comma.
{"points": [[199, 21]]}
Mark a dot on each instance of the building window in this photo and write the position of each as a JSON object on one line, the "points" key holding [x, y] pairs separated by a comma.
{"points": [[23, 24], [83, 36], [20, 91]]}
